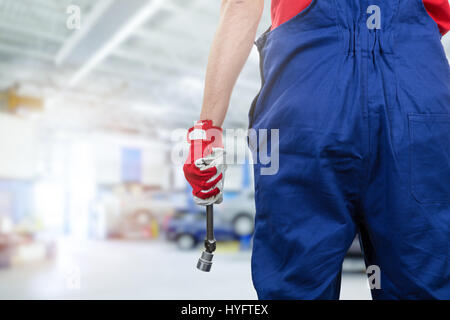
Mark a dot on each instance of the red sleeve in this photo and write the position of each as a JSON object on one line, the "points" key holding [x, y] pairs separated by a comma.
{"points": [[284, 10], [439, 10]]}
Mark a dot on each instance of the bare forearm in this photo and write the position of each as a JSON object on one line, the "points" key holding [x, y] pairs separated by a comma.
{"points": [[230, 49]]}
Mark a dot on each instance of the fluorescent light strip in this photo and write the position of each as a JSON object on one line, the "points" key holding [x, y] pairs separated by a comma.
{"points": [[90, 20], [135, 22]]}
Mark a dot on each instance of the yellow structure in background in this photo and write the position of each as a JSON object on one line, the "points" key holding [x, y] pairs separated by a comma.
{"points": [[13, 100], [228, 246], [154, 227]]}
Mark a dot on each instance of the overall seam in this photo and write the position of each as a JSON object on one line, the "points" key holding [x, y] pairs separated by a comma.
{"points": [[364, 56]]}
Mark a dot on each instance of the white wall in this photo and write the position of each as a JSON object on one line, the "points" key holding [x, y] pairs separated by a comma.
{"points": [[18, 147], [108, 162]]}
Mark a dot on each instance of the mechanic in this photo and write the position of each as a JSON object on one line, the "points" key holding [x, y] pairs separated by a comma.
{"points": [[360, 93]]}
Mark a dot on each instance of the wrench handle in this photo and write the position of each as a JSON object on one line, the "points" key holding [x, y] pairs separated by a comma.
{"points": [[210, 241], [209, 223]]}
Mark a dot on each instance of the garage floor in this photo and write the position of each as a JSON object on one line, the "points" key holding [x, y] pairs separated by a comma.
{"points": [[143, 270]]}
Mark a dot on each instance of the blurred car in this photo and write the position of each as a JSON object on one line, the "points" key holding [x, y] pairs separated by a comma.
{"points": [[239, 212], [188, 229]]}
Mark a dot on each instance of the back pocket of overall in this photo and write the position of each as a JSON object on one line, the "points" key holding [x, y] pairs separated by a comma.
{"points": [[430, 157]]}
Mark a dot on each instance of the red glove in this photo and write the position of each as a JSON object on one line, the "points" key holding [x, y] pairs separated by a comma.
{"points": [[205, 165]]}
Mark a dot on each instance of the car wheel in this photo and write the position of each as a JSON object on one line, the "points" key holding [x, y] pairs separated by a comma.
{"points": [[243, 225], [185, 241]]}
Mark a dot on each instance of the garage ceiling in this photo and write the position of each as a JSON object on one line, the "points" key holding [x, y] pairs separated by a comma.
{"points": [[135, 65]]}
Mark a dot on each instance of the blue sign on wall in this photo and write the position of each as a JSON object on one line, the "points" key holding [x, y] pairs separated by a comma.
{"points": [[131, 165]]}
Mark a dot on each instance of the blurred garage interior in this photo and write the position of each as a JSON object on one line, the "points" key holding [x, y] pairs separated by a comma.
{"points": [[94, 94]]}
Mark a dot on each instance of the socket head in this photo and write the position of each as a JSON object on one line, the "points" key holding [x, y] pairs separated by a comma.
{"points": [[205, 261]]}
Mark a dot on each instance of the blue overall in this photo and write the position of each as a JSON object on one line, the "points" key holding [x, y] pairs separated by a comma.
{"points": [[363, 112]]}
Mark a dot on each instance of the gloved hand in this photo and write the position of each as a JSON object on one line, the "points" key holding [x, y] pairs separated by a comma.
{"points": [[205, 164]]}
